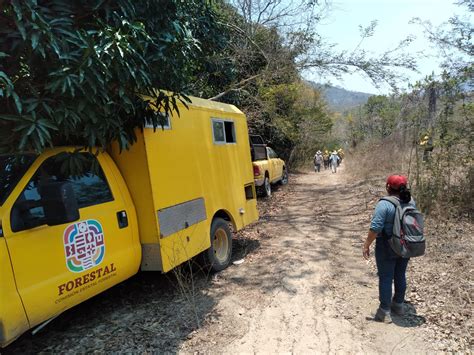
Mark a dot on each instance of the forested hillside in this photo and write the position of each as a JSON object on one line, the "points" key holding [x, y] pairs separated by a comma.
{"points": [[339, 99]]}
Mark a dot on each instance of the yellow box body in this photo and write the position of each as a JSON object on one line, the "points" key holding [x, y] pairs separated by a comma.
{"points": [[171, 183], [172, 166]]}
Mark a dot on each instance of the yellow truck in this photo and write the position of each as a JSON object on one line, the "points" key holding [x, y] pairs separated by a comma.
{"points": [[268, 168], [66, 236]]}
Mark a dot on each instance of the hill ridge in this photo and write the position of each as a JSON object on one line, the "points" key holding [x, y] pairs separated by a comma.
{"points": [[340, 99]]}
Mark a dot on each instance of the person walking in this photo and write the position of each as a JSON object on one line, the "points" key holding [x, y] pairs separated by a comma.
{"points": [[391, 267], [334, 160], [340, 154], [326, 159], [318, 160]]}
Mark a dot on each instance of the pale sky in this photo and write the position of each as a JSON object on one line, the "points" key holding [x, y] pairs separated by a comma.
{"points": [[393, 16]]}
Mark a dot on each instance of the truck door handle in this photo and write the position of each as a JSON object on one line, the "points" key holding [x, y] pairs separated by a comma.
{"points": [[122, 219]]}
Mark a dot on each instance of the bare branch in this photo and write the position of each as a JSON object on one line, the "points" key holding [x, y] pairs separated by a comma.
{"points": [[237, 87], [244, 34]]}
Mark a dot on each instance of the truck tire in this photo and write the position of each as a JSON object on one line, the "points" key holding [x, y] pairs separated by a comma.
{"points": [[218, 256], [267, 187], [284, 177]]}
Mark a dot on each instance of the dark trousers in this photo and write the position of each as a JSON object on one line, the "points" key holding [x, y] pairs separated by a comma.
{"points": [[317, 167], [391, 269]]}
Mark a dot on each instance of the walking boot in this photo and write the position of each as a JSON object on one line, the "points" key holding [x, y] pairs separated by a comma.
{"points": [[382, 316], [398, 308]]}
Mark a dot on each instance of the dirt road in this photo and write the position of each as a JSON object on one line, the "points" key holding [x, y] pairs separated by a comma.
{"points": [[303, 287], [308, 289]]}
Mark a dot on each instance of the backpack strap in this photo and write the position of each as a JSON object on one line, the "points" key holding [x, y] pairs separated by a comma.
{"points": [[395, 201]]}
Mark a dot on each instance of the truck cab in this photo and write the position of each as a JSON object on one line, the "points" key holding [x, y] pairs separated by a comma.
{"points": [[67, 234]]}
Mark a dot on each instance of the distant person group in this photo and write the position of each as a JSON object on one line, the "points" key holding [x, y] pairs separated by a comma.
{"points": [[328, 160]]}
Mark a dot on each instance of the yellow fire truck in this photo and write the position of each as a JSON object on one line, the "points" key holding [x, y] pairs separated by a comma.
{"points": [[65, 236]]}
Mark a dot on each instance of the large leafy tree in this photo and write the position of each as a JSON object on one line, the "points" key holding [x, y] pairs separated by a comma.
{"points": [[71, 71]]}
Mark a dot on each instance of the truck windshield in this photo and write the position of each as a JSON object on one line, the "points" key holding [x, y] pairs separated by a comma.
{"points": [[12, 168]]}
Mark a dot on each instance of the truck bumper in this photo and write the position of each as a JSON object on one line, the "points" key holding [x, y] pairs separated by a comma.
{"points": [[259, 182]]}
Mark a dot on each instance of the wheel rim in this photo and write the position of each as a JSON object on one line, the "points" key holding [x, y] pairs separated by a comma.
{"points": [[220, 245], [267, 187]]}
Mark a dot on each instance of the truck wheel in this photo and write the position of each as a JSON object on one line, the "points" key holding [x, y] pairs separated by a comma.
{"points": [[217, 257], [267, 187], [284, 177]]}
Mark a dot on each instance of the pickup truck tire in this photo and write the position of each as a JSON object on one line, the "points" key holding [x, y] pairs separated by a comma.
{"points": [[267, 187], [217, 257], [284, 177]]}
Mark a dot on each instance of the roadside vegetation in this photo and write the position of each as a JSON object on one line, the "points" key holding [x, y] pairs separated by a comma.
{"points": [[425, 132]]}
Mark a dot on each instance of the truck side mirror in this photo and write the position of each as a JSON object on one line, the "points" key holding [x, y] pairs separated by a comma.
{"points": [[59, 203]]}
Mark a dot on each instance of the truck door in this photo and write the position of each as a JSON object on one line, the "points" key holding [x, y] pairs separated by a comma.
{"points": [[273, 163], [278, 165], [56, 267]]}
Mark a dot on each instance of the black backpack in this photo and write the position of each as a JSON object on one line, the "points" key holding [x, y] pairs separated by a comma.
{"points": [[407, 238]]}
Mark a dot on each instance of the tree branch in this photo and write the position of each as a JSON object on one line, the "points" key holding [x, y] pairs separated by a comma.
{"points": [[237, 87]]}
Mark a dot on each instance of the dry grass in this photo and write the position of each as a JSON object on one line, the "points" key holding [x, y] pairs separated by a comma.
{"points": [[443, 186], [442, 284], [378, 159]]}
